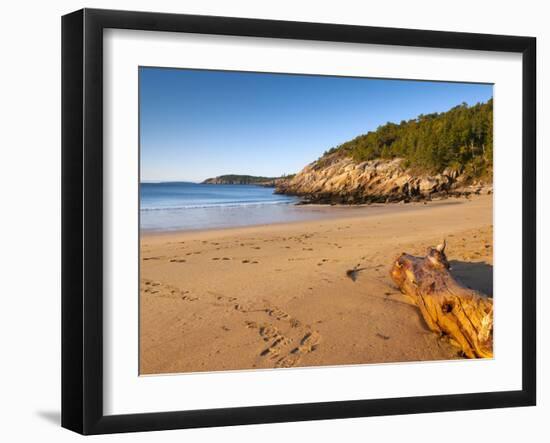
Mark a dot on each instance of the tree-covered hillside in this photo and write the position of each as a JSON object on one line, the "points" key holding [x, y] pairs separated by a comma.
{"points": [[461, 139], [237, 179]]}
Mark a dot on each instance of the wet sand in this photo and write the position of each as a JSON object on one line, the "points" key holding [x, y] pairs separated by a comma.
{"points": [[279, 295]]}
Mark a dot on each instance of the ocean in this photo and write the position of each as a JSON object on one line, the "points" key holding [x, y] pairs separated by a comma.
{"points": [[174, 206]]}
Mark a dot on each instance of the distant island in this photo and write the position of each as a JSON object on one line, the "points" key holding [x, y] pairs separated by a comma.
{"points": [[236, 179], [433, 155]]}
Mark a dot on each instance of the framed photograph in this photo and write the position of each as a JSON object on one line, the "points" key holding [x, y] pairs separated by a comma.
{"points": [[268, 221]]}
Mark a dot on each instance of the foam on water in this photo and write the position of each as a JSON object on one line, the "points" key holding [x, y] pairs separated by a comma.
{"points": [[183, 206]]}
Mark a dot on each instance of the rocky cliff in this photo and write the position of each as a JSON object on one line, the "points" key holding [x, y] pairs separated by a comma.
{"points": [[342, 180]]}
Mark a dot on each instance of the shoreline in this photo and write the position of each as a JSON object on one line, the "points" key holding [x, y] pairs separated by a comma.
{"points": [[330, 212], [278, 295]]}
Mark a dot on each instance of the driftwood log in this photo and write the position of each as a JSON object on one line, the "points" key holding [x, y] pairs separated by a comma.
{"points": [[448, 307]]}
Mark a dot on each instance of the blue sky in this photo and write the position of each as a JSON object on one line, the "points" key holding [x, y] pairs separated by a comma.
{"points": [[197, 124]]}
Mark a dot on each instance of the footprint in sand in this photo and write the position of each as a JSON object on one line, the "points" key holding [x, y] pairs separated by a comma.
{"points": [[223, 298], [158, 289], [151, 283], [382, 336], [308, 343], [229, 302], [270, 333], [279, 314], [267, 331], [294, 323], [288, 361], [241, 308], [279, 347], [274, 350]]}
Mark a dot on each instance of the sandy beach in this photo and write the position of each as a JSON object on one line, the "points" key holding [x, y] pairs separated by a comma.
{"points": [[279, 295]]}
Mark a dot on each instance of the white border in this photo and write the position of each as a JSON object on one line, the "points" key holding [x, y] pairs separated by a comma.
{"points": [[126, 392]]}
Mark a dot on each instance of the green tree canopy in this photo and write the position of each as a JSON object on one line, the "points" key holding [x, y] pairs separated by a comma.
{"points": [[460, 138]]}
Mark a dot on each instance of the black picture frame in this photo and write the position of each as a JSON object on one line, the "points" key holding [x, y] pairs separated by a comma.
{"points": [[82, 218]]}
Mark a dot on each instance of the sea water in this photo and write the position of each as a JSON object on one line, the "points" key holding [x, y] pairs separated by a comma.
{"points": [[172, 206]]}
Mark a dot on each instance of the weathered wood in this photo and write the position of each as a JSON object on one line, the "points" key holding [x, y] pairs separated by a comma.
{"points": [[448, 307]]}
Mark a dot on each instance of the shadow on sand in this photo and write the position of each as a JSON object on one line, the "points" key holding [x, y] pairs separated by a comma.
{"points": [[478, 276]]}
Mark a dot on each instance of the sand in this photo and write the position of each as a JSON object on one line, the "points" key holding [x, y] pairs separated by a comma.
{"points": [[278, 296]]}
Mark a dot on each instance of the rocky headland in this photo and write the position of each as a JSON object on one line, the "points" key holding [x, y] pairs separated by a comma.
{"points": [[345, 181], [433, 155]]}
